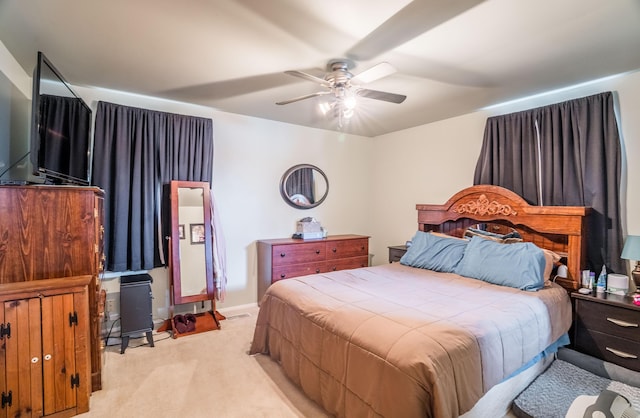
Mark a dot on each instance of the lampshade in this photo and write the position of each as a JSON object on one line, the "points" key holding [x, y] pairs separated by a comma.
{"points": [[631, 250]]}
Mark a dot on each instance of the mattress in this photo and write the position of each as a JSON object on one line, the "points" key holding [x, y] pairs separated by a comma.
{"points": [[394, 340]]}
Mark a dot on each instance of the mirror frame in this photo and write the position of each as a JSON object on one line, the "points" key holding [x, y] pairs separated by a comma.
{"points": [[175, 243], [283, 182]]}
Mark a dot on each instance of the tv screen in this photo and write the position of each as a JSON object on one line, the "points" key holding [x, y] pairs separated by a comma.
{"points": [[61, 128], [15, 145]]}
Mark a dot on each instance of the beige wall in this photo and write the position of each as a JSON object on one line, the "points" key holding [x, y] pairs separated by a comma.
{"points": [[374, 183]]}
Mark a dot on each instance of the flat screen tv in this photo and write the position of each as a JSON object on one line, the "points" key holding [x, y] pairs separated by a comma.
{"points": [[61, 142]]}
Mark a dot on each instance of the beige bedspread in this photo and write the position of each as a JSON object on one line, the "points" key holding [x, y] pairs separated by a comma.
{"points": [[397, 341]]}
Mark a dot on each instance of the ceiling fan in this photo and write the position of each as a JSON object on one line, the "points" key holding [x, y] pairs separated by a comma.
{"points": [[345, 86]]}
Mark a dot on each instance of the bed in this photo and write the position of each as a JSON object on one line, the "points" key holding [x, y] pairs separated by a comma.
{"points": [[398, 340]]}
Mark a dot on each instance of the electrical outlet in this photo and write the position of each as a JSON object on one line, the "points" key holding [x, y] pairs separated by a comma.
{"points": [[110, 305]]}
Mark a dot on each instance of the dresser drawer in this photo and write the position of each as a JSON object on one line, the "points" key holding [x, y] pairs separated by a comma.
{"points": [[298, 253], [347, 248], [296, 270], [396, 252], [621, 351], [348, 263], [612, 320]]}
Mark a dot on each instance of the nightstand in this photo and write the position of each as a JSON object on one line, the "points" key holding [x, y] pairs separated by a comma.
{"points": [[607, 327], [396, 252]]}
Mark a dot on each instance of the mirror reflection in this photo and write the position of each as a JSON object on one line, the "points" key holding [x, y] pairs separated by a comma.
{"points": [[191, 246], [192, 255], [304, 186]]}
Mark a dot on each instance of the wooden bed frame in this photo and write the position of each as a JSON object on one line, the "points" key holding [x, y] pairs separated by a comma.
{"points": [[561, 229]]}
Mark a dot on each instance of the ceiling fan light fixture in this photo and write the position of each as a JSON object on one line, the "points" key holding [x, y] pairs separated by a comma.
{"points": [[350, 102]]}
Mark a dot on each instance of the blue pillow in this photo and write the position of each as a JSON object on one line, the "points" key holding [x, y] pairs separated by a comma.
{"points": [[433, 252], [519, 265]]}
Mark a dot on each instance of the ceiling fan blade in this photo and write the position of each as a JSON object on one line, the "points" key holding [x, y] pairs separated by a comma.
{"points": [[381, 95], [308, 96], [308, 77], [374, 73], [413, 20]]}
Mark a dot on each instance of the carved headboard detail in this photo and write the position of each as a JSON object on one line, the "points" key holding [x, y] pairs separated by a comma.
{"points": [[483, 206], [558, 228]]}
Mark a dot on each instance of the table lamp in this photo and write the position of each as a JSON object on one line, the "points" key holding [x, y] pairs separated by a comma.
{"points": [[631, 251]]}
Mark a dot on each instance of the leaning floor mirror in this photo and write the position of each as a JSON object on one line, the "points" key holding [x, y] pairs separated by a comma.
{"points": [[191, 257]]}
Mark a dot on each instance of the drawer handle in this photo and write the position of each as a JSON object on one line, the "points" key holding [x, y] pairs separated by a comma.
{"points": [[362, 248], [334, 250], [317, 251], [621, 353], [622, 323], [282, 254], [334, 268], [282, 276], [317, 270]]}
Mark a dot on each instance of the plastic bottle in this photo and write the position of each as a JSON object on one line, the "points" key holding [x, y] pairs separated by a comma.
{"points": [[602, 280]]}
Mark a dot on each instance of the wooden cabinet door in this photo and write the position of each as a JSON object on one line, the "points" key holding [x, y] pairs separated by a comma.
{"points": [[22, 358], [58, 351]]}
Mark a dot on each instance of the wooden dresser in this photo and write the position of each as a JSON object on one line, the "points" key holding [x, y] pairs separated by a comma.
{"points": [[608, 327], [286, 258], [55, 232]]}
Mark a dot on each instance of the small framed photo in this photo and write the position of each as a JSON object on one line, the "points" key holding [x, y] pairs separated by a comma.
{"points": [[197, 233], [181, 231]]}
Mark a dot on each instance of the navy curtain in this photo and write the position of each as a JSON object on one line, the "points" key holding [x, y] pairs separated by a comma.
{"points": [[564, 154], [136, 153], [301, 182]]}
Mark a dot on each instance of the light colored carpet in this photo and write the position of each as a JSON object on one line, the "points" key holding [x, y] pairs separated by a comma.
{"points": [[202, 375]]}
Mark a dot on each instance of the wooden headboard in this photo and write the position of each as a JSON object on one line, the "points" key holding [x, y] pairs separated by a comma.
{"points": [[558, 228]]}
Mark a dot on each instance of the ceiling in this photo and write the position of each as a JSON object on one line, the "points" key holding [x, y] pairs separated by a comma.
{"points": [[451, 57]]}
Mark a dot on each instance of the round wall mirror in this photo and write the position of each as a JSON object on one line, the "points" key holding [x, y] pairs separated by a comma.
{"points": [[304, 186]]}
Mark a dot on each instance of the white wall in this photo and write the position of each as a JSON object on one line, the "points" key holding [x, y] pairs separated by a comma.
{"points": [[429, 163]]}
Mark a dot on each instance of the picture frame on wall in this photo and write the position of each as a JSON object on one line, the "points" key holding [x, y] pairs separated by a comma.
{"points": [[181, 231], [197, 233]]}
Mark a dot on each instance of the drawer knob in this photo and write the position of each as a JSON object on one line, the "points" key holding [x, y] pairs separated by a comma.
{"points": [[621, 353], [317, 270], [282, 276], [621, 323], [334, 250], [334, 268], [282, 254], [317, 251], [362, 248]]}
